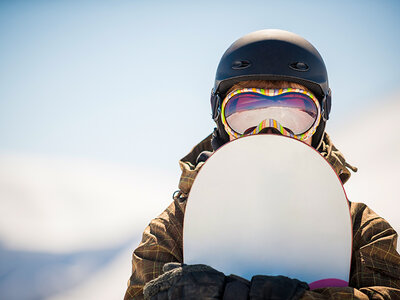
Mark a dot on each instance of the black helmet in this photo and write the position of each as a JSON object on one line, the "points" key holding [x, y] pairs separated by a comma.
{"points": [[272, 54]]}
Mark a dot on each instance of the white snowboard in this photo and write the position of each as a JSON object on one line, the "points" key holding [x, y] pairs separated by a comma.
{"points": [[270, 205]]}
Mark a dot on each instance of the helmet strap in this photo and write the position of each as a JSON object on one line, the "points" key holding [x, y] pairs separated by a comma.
{"points": [[216, 102], [220, 136], [317, 137], [326, 106], [216, 140]]}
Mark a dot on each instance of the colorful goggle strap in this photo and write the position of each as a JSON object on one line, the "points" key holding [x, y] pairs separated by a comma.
{"points": [[271, 122]]}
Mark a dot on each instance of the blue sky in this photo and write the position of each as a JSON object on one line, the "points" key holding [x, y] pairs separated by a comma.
{"points": [[129, 81]]}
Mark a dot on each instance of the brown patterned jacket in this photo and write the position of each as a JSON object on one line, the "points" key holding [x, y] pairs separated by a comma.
{"points": [[375, 266]]}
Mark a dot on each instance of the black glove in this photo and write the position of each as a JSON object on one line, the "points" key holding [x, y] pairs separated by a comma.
{"points": [[186, 282], [276, 287], [236, 288], [203, 282]]}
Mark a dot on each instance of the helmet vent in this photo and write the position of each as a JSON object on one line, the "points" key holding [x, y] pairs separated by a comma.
{"points": [[240, 64], [299, 66]]}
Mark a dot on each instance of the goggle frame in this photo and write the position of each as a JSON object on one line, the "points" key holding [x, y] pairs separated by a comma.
{"points": [[271, 123]]}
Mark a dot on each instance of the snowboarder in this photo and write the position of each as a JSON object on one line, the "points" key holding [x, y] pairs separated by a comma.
{"points": [[266, 61]]}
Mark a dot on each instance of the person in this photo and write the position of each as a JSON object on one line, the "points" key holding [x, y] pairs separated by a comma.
{"points": [[259, 70]]}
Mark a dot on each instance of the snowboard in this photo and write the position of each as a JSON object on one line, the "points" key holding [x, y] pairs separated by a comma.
{"points": [[270, 205]]}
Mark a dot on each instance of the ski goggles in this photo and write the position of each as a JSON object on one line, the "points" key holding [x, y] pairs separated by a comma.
{"points": [[294, 112]]}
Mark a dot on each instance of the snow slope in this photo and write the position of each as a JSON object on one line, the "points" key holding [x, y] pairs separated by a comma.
{"points": [[65, 221]]}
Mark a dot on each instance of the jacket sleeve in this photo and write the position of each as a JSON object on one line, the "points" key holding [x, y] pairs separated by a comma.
{"points": [[375, 267], [161, 243]]}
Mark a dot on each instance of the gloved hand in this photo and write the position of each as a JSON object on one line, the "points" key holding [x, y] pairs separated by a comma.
{"points": [[203, 282], [276, 287], [186, 282]]}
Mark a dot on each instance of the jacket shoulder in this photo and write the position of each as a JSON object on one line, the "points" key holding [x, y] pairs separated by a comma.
{"points": [[375, 261], [368, 226]]}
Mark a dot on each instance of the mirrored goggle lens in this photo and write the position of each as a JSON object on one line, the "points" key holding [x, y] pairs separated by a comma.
{"points": [[292, 110]]}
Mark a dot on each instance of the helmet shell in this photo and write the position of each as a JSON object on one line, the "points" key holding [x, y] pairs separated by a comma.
{"points": [[273, 54]]}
